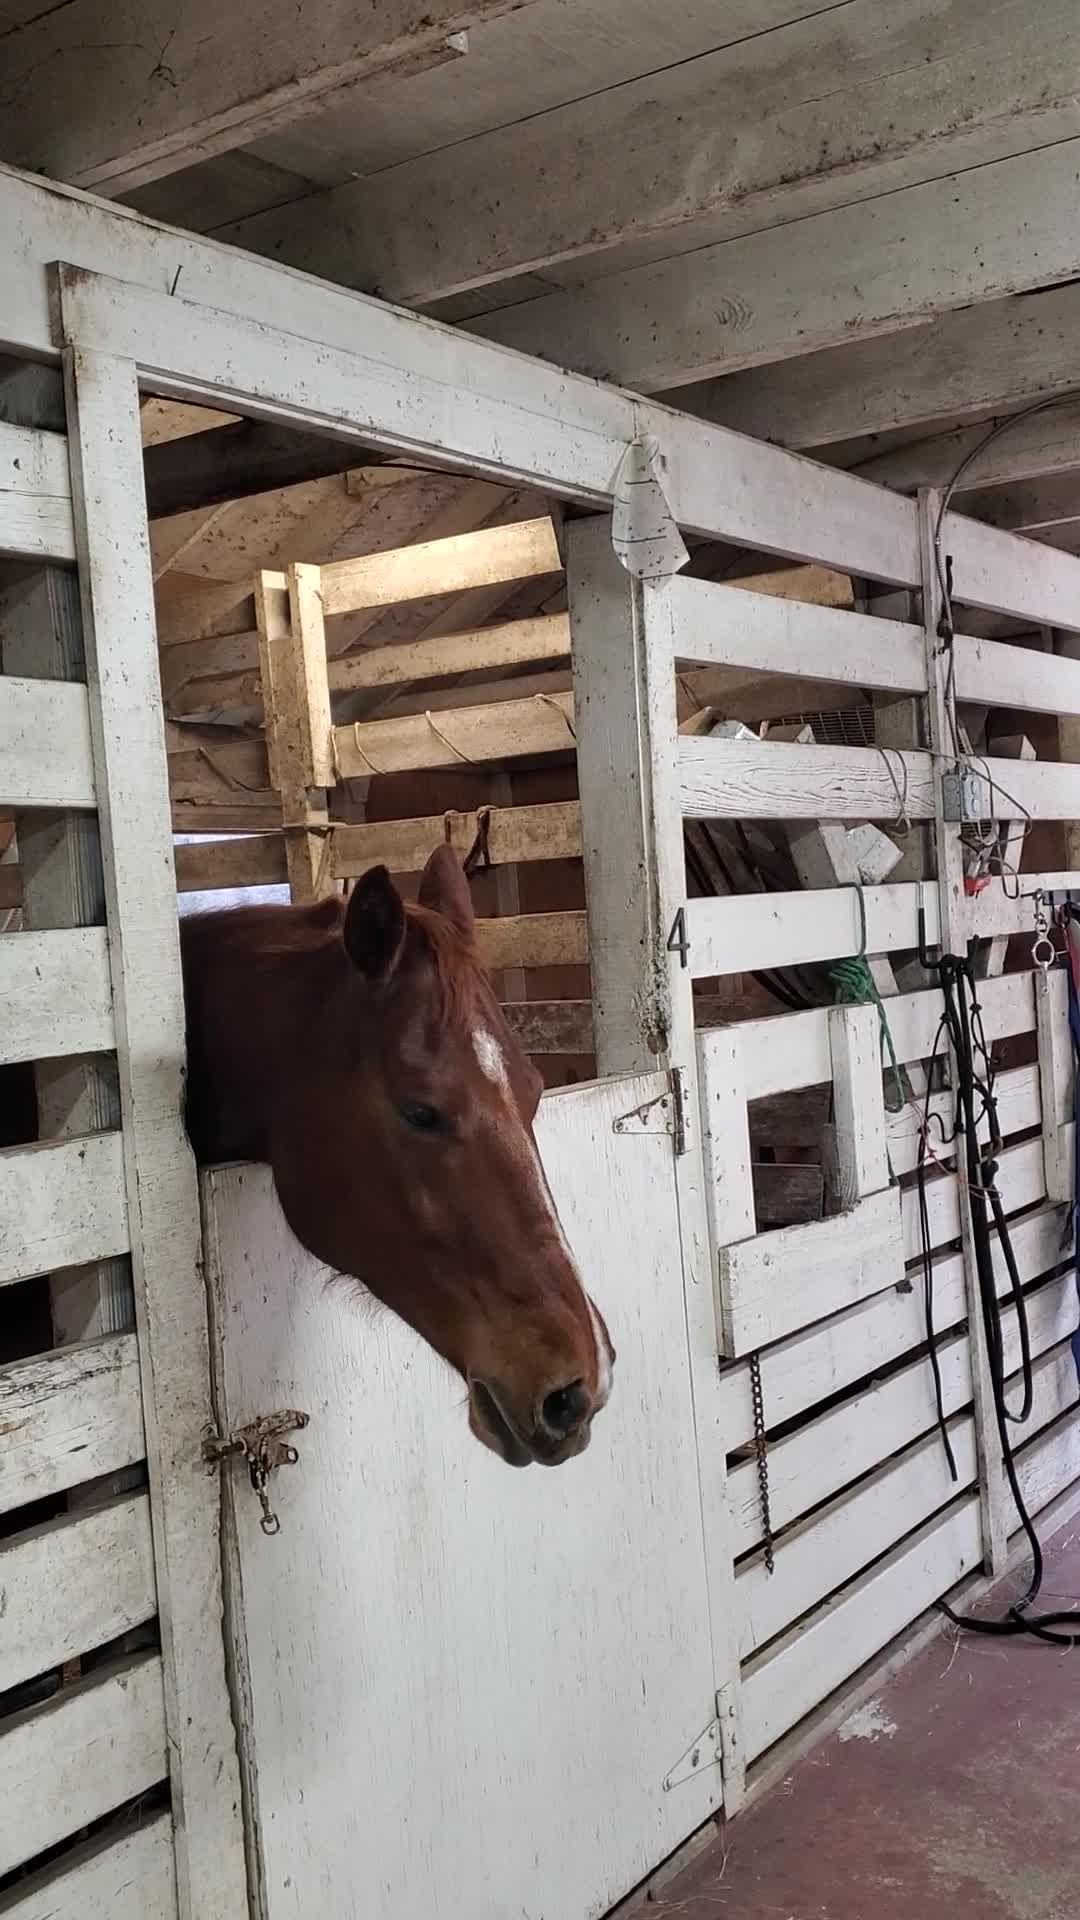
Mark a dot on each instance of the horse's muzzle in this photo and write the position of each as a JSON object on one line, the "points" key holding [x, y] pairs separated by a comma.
{"points": [[557, 1430]]}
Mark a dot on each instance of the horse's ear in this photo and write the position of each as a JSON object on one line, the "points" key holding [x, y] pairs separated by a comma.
{"points": [[374, 930], [445, 889]]}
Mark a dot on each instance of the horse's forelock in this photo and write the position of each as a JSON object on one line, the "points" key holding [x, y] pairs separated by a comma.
{"points": [[457, 964]]}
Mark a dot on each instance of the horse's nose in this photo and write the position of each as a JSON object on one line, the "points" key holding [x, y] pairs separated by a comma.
{"points": [[564, 1409]]}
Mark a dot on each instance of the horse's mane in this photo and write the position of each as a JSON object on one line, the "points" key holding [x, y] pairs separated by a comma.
{"points": [[275, 932]]}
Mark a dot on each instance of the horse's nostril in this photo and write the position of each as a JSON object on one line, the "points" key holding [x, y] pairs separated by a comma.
{"points": [[565, 1408]]}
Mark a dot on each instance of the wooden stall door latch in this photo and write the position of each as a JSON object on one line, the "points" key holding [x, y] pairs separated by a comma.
{"points": [[263, 1449]]}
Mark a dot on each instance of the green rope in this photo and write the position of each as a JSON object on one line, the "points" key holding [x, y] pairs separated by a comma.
{"points": [[854, 985]]}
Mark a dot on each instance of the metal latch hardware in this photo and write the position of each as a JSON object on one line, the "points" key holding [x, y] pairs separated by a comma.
{"points": [[705, 1752], [664, 1113], [261, 1447]]}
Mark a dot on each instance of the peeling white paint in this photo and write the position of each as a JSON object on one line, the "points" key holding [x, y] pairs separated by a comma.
{"points": [[868, 1722]]}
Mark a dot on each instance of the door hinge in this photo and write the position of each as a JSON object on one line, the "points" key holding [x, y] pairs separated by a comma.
{"points": [[664, 1113], [703, 1752], [262, 1448]]}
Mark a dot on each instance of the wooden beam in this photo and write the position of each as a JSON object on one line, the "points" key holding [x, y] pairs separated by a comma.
{"points": [[469, 403], [846, 275], [513, 643], [549, 831], [424, 229], [752, 780], [1053, 500], [995, 356], [727, 626], [35, 495], [525, 550], [251, 860], [533, 940], [235, 462], [476, 650], [551, 1026], [1043, 444], [509, 730], [202, 79]]}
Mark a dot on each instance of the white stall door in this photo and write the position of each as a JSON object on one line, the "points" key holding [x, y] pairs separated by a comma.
{"points": [[467, 1686]]}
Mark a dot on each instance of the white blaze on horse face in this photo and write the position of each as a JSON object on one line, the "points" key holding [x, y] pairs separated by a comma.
{"points": [[490, 1058], [603, 1359], [492, 1063]]}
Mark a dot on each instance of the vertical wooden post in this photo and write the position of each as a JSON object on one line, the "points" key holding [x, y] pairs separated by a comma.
{"points": [[635, 883], [163, 1203], [862, 1159], [296, 708], [941, 723], [1055, 1081]]}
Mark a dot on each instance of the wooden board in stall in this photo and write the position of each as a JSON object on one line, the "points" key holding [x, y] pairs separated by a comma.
{"points": [[495, 1693]]}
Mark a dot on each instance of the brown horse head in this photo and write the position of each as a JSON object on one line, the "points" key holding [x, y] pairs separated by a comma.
{"points": [[361, 1051]]}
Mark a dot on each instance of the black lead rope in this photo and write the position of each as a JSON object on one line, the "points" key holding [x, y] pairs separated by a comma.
{"points": [[962, 1021]]}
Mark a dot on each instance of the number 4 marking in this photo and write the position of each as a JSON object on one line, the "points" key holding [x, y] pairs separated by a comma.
{"points": [[677, 941]]}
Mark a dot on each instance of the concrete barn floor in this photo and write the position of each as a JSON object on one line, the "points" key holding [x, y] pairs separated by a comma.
{"points": [[952, 1794]]}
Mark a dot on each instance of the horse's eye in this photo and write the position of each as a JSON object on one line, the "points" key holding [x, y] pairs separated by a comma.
{"points": [[424, 1118]]}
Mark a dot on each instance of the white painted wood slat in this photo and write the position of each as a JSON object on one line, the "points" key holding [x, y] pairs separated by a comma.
{"points": [[759, 780], [792, 1050], [724, 626], [790, 1680], [35, 495], [56, 994], [69, 1416], [127, 1879], [812, 1464], [1019, 1107], [1021, 1182], [792, 929], [776, 1282], [1023, 677], [89, 1749], [74, 1584], [822, 1359], [830, 1546], [62, 1204], [45, 755]]}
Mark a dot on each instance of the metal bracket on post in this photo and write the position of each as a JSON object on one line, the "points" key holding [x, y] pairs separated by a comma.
{"points": [[705, 1751], [664, 1113]]}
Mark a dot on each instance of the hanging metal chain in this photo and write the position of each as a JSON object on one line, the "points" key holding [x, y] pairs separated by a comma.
{"points": [[757, 1397]]}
